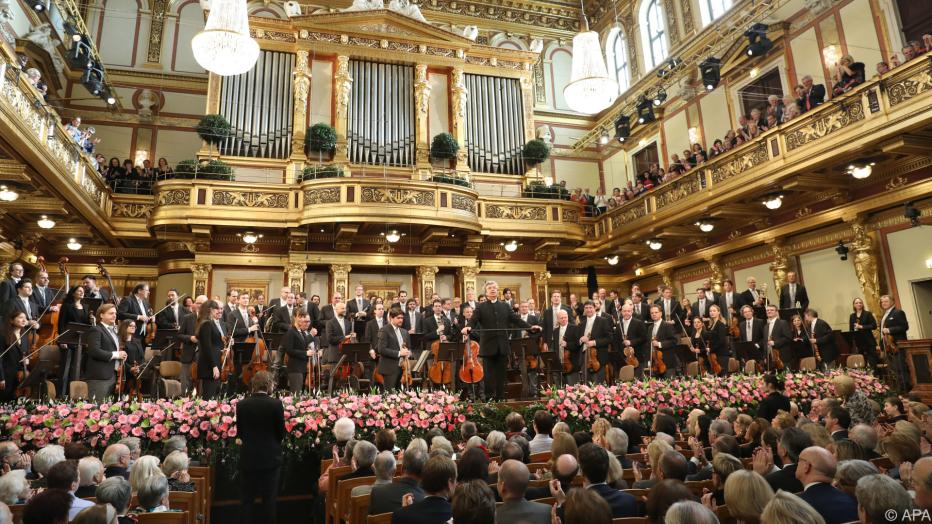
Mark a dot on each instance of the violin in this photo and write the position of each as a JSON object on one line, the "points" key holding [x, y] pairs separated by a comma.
{"points": [[406, 378], [592, 361], [713, 358], [48, 329], [533, 361], [657, 364], [471, 371], [259, 360], [226, 366], [630, 358], [775, 356], [733, 329], [118, 387], [889, 344]]}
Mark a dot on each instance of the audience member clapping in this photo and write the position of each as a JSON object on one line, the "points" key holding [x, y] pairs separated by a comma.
{"points": [[175, 467]]}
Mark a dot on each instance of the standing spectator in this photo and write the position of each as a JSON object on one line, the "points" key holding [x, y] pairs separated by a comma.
{"points": [[164, 170], [73, 128], [260, 424], [813, 94], [600, 203], [882, 68], [775, 107], [848, 74]]}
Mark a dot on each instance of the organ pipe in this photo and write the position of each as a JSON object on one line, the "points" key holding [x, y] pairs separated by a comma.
{"points": [[380, 123], [495, 125]]}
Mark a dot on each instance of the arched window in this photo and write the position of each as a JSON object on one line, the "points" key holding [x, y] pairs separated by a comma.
{"points": [[713, 9], [618, 59], [653, 33]]}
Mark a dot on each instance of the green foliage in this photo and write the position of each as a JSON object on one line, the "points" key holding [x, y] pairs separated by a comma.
{"points": [[535, 151], [445, 178], [315, 172], [321, 138], [214, 129], [210, 170], [444, 146]]}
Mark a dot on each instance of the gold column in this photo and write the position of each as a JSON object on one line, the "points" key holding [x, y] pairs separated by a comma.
{"points": [[865, 266], [340, 275], [343, 85], [778, 267], [459, 97], [667, 277], [468, 276], [427, 276], [156, 30], [302, 85], [295, 272], [543, 293], [718, 274], [201, 275], [422, 99]]}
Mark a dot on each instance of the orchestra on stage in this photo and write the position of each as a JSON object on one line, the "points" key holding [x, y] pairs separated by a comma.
{"points": [[87, 341]]}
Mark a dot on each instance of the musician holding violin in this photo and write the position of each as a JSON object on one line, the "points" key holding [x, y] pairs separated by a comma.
{"points": [[187, 336], [893, 328], [862, 323], [595, 337], [136, 307], [134, 356], [718, 341], [104, 354], [632, 335], [565, 341], [392, 347], [297, 344], [22, 301], [170, 317], [662, 341], [211, 336], [247, 325], [15, 347]]}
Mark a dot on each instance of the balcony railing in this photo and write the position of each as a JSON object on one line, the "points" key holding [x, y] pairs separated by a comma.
{"points": [[845, 127]]}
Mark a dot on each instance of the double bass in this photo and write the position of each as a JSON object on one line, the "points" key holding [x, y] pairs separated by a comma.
{"points": [[471, 371], [114, 298]]}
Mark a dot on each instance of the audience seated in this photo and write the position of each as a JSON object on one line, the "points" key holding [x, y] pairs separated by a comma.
{"points": [[792, 442], [473, 503], [563, 471], [175, 467], [787, 508], [43, 462], [384, 467], [878, 496], [438, 481], [849, 471], [512, 486], [144, 468], [14, 488], [665, 494], [153, 494], [64, 476], [90, 475], [387, 497], [116, 461], [117, 492], [593, 465], [52, 506], [583, 506], [816, 471], [689, 512], [543, 425]]}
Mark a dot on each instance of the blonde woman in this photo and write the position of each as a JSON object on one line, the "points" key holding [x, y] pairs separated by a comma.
{"points": [[655, 450], [741, 425], [746, 495], [599, 428], [786, 508], [145, 467], [856, 402], [175, 468]]}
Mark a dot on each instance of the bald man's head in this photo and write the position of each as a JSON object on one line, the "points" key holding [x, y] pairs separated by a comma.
{"points": [[565, 468], [816, 464], [513, 479], [922, 481], [200, 299]]}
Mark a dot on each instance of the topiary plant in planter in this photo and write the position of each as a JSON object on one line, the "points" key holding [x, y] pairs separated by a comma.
{"points": [[320, 138], [444, 147], [535, 152], [209, 170], [213, 129]]}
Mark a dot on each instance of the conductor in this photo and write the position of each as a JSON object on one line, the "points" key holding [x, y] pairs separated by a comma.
{"points": [[493, 318], [260, 424]]}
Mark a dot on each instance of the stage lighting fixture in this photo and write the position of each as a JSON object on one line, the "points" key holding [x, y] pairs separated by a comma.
{"points": [[773, 201], [622, 127], [842, 250], [39, 5], [645, 109], [93, 81], [913, 214], [711, 71], [612, 260], [758, 43], [660, 97], [603, 138], [655, 244], [80, 54]]}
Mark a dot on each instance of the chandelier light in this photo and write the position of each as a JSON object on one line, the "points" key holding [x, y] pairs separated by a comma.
{"points": [[511, 246], [705, 226], [7, 194], [250, 237], [392, 236], [861, 171], [46, 222], [224, 47], [590, 89], [612, 260], [73, 244], [773, 201], [655, 244]]}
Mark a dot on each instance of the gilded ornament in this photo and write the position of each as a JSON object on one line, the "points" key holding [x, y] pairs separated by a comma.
{"points": [[173, 197], [827, 123], [421, 88], [736, 164], [676, 191], [131, 210], [902, 90], [250, 199], [398, 196], [464, 203], [571, 215], [343, 84], [516, 212], [322, 195]]}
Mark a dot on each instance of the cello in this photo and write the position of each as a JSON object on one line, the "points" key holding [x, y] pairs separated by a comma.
{"points": [[439, 372], [48, 329], [471, 371]]}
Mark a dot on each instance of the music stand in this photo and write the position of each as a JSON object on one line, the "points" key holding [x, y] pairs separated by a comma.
{"points": [[522, 347], [359, 327], [788, 313], [849, 338], [351, 353], [163, 339], [417, 341], [74, 336], [92, 304], [451, 352], [747, 351], [551, 361]]}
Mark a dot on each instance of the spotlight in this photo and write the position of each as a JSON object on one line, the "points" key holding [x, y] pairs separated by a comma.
{"points": [[660, 97], [612, 260], [7, 194], [861, 171], [655, 244], [111, 101], [73, 244], [511, 246], [622, 127], [80, 55], [758, 43], [842, 250], [45, 222], [645, 111], [39, 5], [603, 139], [910, 212], [705, 225], [711, 71], [250, 237], [93, 80], [773, 201]]}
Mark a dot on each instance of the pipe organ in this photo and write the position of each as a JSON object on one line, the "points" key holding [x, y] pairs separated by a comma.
{"points": [[494, 125], [260, 106], [380, 127]]}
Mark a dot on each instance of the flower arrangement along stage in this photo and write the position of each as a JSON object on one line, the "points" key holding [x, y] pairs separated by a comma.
{"points": [[210, 426]]}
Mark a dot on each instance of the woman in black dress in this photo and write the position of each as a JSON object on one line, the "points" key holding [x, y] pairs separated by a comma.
{"points": [[863, 324], [134, 352], [72, 310], [718, 338], [698, 342], [15, 347], [801, 346]]}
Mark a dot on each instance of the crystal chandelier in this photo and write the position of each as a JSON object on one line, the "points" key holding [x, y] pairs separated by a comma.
{"points": [[590, 89], [224, 47]]}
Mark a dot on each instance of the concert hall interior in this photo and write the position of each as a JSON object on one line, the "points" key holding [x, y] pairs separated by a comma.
{"points": [[364, 209]]}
